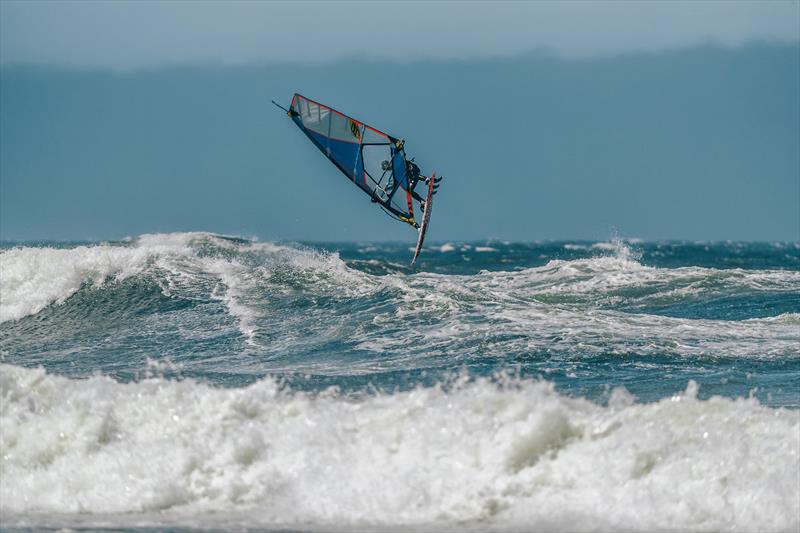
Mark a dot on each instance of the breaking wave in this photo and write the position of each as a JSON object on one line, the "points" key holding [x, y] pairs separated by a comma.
{"points": [[199, 380], [504, 453], [280, 295]]}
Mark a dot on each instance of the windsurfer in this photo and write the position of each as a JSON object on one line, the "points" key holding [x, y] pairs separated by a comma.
{"points": [[414, 176], [412, 171]]}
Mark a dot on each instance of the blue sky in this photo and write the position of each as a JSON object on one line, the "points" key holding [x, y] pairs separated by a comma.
{"points": [[549, 120]]}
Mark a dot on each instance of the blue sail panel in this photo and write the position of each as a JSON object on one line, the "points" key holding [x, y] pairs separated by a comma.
{"points": [[399, 168]]}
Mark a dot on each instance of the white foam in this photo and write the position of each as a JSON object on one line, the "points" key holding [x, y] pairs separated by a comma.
{"points": [[608, 279], [235, 280], [564, 305], [518, 456], [485, 249], [567, 306], [608, 246], [33, 278]]}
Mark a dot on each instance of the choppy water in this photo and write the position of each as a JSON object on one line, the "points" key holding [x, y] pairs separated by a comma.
{"points": [[194, 380]]}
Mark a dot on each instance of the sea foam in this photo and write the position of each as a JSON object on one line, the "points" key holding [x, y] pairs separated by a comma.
{"points": [[506, 454], [590, 303]]}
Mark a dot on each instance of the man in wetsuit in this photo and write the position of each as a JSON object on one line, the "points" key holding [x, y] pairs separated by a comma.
{"points": [[414, 176], [412, 172]]}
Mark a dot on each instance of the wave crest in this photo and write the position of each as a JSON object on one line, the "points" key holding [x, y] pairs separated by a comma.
{"points": [[512, 453]]}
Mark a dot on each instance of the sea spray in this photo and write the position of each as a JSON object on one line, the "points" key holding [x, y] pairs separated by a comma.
{"points": [[199, 380], [508, 454]]}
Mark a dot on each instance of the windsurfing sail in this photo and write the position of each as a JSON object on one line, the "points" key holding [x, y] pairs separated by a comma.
{"points": [[370, 158]]}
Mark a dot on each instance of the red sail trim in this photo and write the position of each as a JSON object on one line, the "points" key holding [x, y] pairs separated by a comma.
{"points": [[348, 117]]}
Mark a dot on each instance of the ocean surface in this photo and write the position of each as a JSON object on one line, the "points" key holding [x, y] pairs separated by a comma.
{"points": [[192, 380]]}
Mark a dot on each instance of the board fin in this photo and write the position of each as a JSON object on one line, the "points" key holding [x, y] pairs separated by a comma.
{"points": [[426, 218]]}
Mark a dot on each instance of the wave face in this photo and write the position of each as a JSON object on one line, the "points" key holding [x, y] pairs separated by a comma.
{"points": [[562, 386]]}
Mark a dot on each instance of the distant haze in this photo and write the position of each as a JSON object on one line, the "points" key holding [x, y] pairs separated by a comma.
{"points": [[549, 120], [697, 143], [127, 35]]}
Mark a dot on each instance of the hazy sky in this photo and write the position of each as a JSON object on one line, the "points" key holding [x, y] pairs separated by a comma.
{"points": [[130, 34], [699, 143], [568, 120]]}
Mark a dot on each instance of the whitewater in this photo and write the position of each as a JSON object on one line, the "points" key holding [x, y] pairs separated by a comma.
{"points": [[193, 380]]}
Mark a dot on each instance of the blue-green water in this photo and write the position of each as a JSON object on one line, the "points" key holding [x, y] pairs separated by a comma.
{"points": [[192, 379]]}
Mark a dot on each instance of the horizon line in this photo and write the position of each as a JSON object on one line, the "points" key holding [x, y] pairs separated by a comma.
{"points": [[539, 53]]}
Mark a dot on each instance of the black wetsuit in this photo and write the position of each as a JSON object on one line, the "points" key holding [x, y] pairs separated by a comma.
{"points": [[413, 173]]}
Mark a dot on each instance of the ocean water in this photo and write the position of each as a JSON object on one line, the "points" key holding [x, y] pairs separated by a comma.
{"points": [[192, 380]]}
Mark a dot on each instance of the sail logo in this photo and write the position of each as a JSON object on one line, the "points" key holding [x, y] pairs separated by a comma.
{"points": [[355, 130]]}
